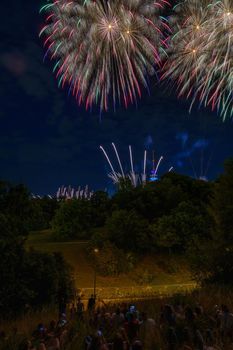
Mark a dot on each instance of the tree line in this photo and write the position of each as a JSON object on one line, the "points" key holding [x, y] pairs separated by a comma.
{"points": [[29, 279], [175, 215]]}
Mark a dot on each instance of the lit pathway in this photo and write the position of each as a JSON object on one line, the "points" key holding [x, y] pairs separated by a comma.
{"points": [[139, 292]]}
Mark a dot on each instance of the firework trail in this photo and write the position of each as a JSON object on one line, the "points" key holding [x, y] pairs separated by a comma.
{"points": [[113, 173], [198, 154], [104, 49], [158, 164], [71, 193], [131, 159], [118, 158], [200, 57], [119, 178], [132, 175], [144, 167]]}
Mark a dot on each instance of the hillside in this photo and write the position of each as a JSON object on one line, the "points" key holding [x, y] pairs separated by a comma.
{"points": [[152, 274]]}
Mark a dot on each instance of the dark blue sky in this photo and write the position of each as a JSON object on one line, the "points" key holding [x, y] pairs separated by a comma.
{"points": [[47, 141]]}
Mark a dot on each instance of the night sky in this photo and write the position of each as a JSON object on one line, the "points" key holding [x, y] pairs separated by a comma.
{"points": [[46, 140]]}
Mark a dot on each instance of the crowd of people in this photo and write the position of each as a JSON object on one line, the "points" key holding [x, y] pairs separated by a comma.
{"points": [[51, 337], [127, 327], [175, 327]]}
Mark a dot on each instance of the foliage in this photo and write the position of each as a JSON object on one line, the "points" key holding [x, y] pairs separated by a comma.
{"points": [[110, 260], [176, 214], [144, 277], [16, 206], [72, 220], [75, 219], [222, 203], [99, 237], [13, 291], [129, 231], [184, 224], [159, 198], [42, 213], [212, 260], [26, 213], [49, 276], [28, 279], [99, 208]]}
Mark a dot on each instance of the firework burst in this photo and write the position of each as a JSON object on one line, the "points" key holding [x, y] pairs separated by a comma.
{"points": [[200, 59], [104, 49], [131, 177]]}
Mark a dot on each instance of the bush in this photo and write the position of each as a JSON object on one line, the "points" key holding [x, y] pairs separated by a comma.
{"points": [[144, 277], [30, 279], [110, 260], [184, 225], [129, 231], [72, 220], [212, 260]]}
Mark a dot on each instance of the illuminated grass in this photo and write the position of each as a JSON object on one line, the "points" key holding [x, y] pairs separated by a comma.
{"points": [[168, 273]]}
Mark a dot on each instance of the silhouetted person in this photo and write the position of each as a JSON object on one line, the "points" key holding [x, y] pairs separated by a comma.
{"points": [[91, 303], [132, 327], [62, 305], [137, 345], [80, 309], [118, 342], [198, 340], [172, 339], [169, 315], [189, 314]]}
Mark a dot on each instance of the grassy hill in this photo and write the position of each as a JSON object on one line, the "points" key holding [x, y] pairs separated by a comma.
{"points": [[153, 274]]}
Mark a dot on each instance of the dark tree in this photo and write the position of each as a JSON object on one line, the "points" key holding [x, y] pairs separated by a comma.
{"points": [[129, 231], [213, 258], [73, 220]]}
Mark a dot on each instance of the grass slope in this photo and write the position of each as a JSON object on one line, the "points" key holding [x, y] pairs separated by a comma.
{"points": [[152, 273]]}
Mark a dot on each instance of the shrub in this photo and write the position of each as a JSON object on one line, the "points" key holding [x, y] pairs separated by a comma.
{"points": [[111, 260]]}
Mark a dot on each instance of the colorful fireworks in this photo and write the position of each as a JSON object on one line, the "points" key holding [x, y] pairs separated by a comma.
{"points": [[105, 49], [200, 59], [121, 177], [71, 193], [66, 193]]}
